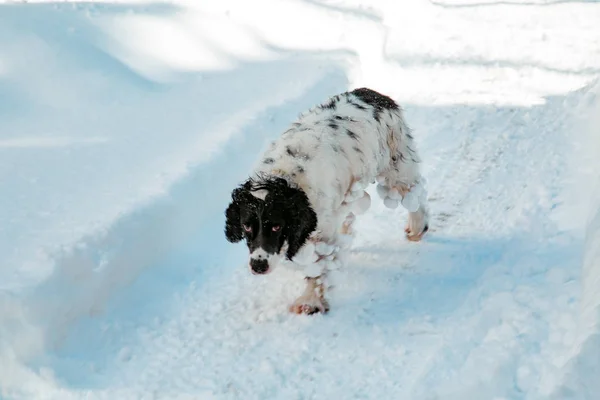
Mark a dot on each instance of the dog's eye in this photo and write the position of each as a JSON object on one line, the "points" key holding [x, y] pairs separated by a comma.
{"points": [[275, 228], [247, 228]]}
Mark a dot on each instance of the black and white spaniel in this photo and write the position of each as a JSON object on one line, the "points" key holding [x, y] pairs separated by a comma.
{"points": [[300, 201]]}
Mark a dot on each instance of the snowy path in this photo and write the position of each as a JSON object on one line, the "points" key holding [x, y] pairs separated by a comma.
{"points": [[468, 298], [152, 302]]}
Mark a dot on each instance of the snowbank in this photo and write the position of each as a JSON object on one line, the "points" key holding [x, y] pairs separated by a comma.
{"points": [[587, 365], [581, 372], [88, 275], [113, 171]]}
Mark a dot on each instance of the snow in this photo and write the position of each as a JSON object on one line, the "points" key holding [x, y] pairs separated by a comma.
{"points": [[410, 200], [125, 125], [584, 359]]}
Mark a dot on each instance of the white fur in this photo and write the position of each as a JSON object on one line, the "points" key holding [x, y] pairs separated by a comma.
{"points": [[306, 255], [260, 194], [259, 254], [362, 204]]}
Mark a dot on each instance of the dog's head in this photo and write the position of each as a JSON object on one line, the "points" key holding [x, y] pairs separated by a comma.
{"points": [[268, 213]]}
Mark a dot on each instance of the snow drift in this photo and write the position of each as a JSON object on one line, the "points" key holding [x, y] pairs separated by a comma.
{"points": [[581, 371]]}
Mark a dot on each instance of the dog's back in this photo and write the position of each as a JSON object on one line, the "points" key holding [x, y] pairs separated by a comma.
{"points": [[355, 135]]}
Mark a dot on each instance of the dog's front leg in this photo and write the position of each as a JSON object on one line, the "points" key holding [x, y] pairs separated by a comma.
{"points": [[313, 299], [321, 255]]}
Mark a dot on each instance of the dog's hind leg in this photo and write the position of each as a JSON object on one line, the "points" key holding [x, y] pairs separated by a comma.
{"points": [[403, 184], [418, 221]]}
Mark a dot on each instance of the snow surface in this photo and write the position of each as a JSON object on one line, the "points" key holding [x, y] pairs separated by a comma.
{"points": [[125, 125]]}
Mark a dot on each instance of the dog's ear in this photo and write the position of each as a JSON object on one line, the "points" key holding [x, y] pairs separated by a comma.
{"points": [[233, 225], [301, 221]]}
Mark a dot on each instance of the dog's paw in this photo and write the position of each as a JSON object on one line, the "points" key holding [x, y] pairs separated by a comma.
{"points": [[309, 305], [415, 237]]}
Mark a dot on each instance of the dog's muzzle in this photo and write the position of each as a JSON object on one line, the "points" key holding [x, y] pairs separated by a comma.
{"points": [[259, 265]]}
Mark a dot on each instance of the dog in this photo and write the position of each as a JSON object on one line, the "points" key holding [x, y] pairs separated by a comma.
{"points": [[299, 203]]}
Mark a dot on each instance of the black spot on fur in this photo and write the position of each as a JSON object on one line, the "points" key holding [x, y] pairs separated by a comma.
{"points": [[337, 148], [378, 101], [341, 118], [333, 125], [357, 149], [296, 153], [375, 99], [331, 105], [358, 106], [300, 169], [297, 127], [351, 134], [269, 160], [376, 114]]}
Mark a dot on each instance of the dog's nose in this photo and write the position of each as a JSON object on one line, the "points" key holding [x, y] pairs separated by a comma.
{"points": [[259, 266]]}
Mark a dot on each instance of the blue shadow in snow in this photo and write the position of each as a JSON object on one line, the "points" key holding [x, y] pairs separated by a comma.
{"points": [[158, 251]]}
